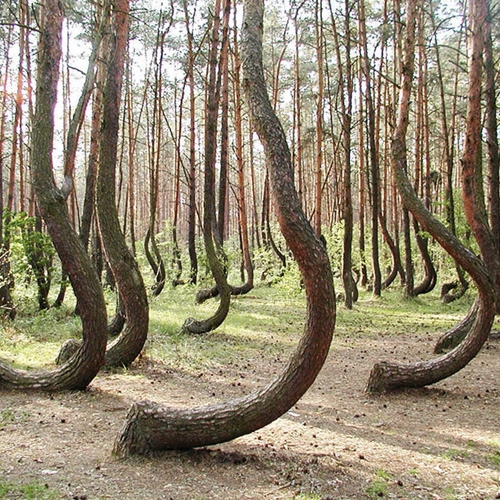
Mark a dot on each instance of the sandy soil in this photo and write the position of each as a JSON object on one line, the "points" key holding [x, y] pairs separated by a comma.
{"points": [[336, 443]]}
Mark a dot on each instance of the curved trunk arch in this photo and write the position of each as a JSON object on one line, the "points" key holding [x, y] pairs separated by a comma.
{"points": [[81, 368], [386, 376], [128, 345], [150, 426]]}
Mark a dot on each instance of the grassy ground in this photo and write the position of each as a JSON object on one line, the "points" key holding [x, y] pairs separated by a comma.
{"points": [[336, 442]]}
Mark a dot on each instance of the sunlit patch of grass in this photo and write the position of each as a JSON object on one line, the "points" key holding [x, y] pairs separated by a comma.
{"points": [[262, 323], [392, 315], [378, 486], [307, 496], [266, 323], [27, 491], [8, 415], [494, 455], [449, 493], [452, 454]]}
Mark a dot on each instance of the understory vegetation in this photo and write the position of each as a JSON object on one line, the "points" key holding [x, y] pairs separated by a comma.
{"points": [[265, 323]]}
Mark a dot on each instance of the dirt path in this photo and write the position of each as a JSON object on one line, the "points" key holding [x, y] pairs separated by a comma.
{"points": [[337, 443]]}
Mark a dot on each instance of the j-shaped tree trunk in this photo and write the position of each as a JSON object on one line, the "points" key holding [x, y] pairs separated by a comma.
{"points": [[192, 325], [243, 289], [128, 345], [83, 366], [385, 376], [150, 426]]}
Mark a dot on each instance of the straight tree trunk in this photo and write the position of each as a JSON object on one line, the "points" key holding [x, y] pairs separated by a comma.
{"points": [[7, 306], [222, 211], [193, 275], [448, 132], [319, 119], [350, 288], [373, 156], [242, 198]]}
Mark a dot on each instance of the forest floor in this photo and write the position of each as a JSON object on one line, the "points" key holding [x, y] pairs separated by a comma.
{"points": [[336, 443]]}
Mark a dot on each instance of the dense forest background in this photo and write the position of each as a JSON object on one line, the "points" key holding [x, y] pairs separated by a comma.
{"points": [[332, 71]]}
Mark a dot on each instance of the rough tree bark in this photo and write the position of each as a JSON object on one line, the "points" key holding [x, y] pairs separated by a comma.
{"points": [[150, 426], [84, 365], [386, 376], [128, 345]]}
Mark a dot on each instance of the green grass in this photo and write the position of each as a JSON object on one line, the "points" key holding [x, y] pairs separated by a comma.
{"points": [[266, 323], [307, 496], [6, 416], [377, 488], [452, 454], [27, 491], [494, 457]]}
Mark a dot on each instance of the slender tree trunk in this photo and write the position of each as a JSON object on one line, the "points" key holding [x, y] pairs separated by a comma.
{"points": [[297, 110], [6, 303], [193, 275], [192, 325], [448, 131], [222, 217], [350, 288], [319, 119], [242, 203], [152, 251], [362, 203], [373, 155]]}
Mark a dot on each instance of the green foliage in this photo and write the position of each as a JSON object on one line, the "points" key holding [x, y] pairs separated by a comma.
{"points": [[334, 245], [31, 250]]}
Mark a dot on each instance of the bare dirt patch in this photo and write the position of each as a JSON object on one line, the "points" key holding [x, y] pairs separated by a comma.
{"points": [[337, 442]]}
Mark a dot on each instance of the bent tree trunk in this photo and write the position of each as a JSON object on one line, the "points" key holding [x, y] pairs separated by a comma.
{"points": [[150, 426], [222, 287], [385, 376], [81, 368], [455, 335], [128, 345], [430, 276]]}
